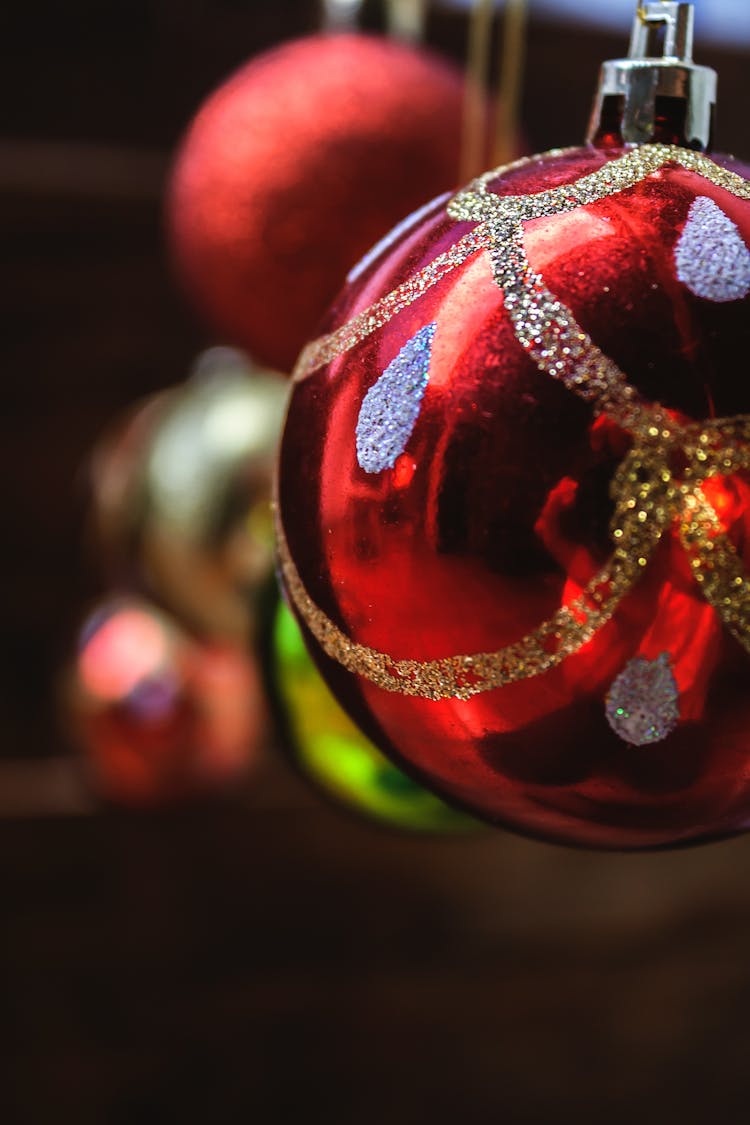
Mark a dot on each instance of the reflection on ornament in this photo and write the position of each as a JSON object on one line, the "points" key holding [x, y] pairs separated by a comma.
{"points": [[642, 704], [330, 751], [182, 493], [576, 503], [563, 350], [160, 718], [711, 257], [294, 167]]}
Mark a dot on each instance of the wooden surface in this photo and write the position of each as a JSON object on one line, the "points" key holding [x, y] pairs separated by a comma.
{"points": [[285, 964], [267, 958]]}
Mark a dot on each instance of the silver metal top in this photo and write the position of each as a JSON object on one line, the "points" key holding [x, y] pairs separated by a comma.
{"points": [[657, 92], [675, 21]]}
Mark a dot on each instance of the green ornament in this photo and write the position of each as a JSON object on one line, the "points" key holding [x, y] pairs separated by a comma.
{"points": [[332, 752]]}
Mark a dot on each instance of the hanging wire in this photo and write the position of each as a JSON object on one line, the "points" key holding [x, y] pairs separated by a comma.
{"points": [[510, 86], [508, 99], [475, 97], [406, 19]]}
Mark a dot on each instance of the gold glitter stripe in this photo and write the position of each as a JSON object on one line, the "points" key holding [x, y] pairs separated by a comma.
{"points": [[716, 565], [322, 351], [479, 204], [648, 500], [327, 348], [544, 326], [461, 677], [559, 346]]}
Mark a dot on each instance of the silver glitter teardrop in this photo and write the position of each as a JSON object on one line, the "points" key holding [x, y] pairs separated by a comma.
{"points": [[711, 257], [642, 703], [391, 407]]}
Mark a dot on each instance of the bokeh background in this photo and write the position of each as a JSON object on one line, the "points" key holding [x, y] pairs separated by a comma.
{"points": [[265, 954]]}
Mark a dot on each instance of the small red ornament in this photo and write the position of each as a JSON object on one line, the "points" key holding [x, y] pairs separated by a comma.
{"points": [[514, 495], [290, 170], [160, 717]]}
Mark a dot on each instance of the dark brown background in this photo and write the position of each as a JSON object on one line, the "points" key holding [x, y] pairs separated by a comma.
{"points": [[268, 957]]}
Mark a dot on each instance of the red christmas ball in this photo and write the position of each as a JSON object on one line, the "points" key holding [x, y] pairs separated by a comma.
{"points": [[514, 500], [160, 717], [294, 167]]}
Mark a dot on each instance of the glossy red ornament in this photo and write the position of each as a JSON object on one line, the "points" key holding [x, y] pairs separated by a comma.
{"points": [[477, 440], [294, 167], [160, 717]]}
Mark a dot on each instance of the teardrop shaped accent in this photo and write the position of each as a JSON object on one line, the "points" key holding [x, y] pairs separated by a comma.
{"points": [[711, 256], [642, 703], [391, 407]]}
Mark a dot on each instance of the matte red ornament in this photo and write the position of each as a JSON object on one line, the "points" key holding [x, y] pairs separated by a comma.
{"points": [[294, 167], [514, 498]]}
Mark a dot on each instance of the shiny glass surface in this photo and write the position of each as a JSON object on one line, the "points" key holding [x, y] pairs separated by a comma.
{"points": [[499, 511]]}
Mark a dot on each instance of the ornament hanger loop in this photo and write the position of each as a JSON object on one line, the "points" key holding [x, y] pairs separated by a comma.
{"points": [[677, 21]]}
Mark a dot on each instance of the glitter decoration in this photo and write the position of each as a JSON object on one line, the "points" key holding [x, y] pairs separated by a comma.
{"points": [[642, 704], [545, 328], [463, 676], [327, 348], [391, 407], [650, 499], [711, 257], [478, 204], [322, 351], [328, 748], [551, 335], [574, 495]]}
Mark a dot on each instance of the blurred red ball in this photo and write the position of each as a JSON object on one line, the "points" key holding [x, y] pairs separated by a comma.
{"points": [[294, 167], [467, 461], [160, 717]]}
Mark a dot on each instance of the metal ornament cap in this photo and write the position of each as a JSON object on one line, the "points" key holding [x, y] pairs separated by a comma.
{"points": [[657, 93]]}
